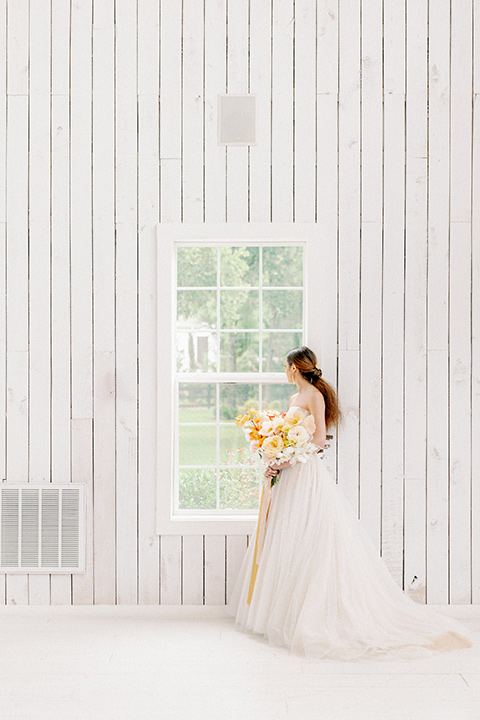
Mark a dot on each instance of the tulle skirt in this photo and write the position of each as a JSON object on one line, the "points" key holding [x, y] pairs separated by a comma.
{"points": [[322, 590]]}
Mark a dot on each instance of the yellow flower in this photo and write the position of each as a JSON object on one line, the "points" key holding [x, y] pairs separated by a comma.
{"points": [[272, 446]]}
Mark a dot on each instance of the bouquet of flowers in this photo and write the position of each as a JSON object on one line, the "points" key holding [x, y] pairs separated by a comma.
{"points": [[279, 437]]}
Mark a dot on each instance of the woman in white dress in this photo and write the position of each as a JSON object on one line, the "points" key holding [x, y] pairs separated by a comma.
{"points": [[319, 586]]}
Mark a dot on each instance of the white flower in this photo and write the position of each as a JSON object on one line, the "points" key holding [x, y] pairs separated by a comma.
{"points": [[297, 435]]}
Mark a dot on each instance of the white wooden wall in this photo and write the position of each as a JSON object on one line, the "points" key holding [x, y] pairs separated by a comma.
{"points": [[108, 127]]}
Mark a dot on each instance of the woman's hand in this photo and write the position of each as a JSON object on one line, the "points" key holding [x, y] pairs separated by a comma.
{"points": [[273, 469]]}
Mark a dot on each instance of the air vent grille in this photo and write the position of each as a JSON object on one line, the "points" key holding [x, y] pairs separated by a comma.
{"points": [[42, 528]]}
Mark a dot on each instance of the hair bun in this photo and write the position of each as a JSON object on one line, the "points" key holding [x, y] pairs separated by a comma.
{"points": [[319, 372]]}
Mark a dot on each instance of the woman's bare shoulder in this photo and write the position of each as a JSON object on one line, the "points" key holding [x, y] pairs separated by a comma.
{"points": [[294, 397]]}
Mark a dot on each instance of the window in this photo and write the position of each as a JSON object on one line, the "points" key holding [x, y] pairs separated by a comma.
{"points": [[232, 308]]}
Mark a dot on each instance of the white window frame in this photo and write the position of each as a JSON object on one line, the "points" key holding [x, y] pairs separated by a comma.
{"points": [[168, 234]]}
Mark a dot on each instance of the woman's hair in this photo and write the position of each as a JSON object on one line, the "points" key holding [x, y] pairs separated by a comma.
{"points": [[306, 363]]}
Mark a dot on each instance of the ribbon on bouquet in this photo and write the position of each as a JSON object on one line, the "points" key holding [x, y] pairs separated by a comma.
{"points": [[260, 536]]}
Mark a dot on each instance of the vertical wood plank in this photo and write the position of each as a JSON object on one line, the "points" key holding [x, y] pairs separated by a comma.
{"points": [[192, 563], [236, 548], [393, 335], [349, 249], [415, 287], [305, 111], [192, 116], [214, 569], [460, 412], [104, 305], [215, 83], [371, 270], [18, 32], [126, 413], [81, 209], [148, 540], [393, 288], [237, 64], [437, 302], [39, 264], [476, 351], [327, 46], [260, 83], [282, 113], [171, 570], [126, 429], [171, 112], [83, 586], [126, 113]]}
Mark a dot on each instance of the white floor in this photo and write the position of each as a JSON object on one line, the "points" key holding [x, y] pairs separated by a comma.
{"points": [[170, 663]]}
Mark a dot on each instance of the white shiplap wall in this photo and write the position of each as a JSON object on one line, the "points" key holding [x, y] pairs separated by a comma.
{"points": [[369, 125]]}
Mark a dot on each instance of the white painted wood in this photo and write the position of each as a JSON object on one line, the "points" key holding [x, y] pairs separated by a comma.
{"points": [[148, 540], [415, 359], [126, 115], [394, 46], [3, 113], [437, 305], [83, 586], [17, 39], [327, 223], [60, 41], [282, 113], [260, 84], [126, 427], [392, 438], [171, 570], [214, 569], [3, 385], [347, 439], [371, 113], [215, 83], [192, 564], [461, 111], [305, 111], [60, 587], [81, 210], [171, 81], [236, 548], [415, 409], [475, 355], [327, 46], [237, 82], [460, 411], [393, 335], [437, 478], [370, 380], [349, 177], [192, 112]]}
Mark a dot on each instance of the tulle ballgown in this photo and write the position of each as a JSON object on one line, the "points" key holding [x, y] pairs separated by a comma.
{"points": [[321, 588]]}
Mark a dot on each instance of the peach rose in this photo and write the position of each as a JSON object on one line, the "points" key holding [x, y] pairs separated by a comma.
{"points": [[297, 435], [272, 446], [309, 424]]}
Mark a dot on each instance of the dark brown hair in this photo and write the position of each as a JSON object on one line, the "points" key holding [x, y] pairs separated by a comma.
{"points": [[305, 361]]}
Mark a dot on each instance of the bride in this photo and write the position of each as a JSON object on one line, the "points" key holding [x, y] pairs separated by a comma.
{"points": [[315, 582]]}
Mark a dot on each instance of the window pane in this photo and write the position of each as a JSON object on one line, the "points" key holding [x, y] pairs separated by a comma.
{"points": [[197, 444], [277, 397], [197, 489], [282, 309], [196, 351], [197, 308], [236, 398], [196, 266], [282, 266], [239, 488], [239, 352], [239, 266], [197, 403], [239, 309], [276, 346], [233, 446]]}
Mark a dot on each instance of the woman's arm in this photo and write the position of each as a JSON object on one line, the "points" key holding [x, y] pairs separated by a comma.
{"points": [[317, 409]]}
